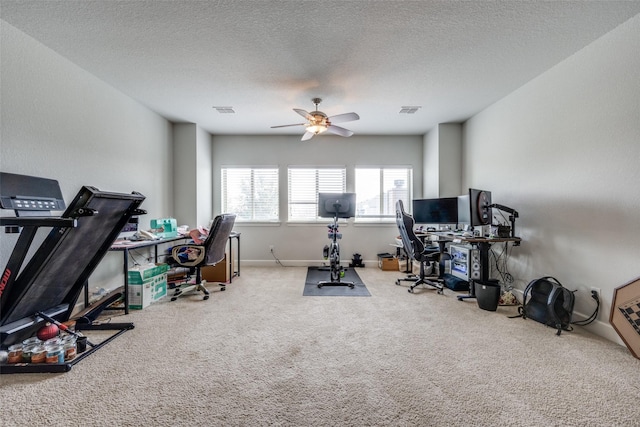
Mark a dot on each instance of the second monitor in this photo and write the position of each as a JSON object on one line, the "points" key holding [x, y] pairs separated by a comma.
{"points": [[443, 210], [341, 205]]}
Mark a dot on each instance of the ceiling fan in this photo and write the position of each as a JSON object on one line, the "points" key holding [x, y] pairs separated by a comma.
{"points": [[318, 122]]}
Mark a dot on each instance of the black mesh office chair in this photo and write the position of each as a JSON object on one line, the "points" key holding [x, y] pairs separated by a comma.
{"points": [[210, 252], [416, 250]]}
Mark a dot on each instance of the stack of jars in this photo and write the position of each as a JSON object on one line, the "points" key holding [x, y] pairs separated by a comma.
{"points": [[33, 350]]}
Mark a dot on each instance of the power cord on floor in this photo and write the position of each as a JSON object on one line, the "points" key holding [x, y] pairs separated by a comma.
{"points": [[273, 254], [594, 315]]}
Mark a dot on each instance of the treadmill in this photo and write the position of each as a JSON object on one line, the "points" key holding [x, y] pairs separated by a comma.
{"points": [[44, 281]]}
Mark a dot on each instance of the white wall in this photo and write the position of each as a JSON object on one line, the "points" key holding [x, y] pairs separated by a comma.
{"points": [[60, 122], [300, 244], [431, 157], [564, 150], [192, 180], [442, 161], [204, 180]]}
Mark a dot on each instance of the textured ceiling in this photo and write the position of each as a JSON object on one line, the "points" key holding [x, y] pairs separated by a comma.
{"points": [[264, 58]]}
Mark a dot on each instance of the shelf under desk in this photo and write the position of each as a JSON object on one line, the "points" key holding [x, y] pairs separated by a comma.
{"points": [[125, 246]]}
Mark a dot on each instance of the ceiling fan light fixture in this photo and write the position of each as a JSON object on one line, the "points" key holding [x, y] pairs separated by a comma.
{"points": [[318, 122], [316, 129]]}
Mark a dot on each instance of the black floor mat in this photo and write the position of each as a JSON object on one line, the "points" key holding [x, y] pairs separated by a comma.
{"points": [[318, 274]]}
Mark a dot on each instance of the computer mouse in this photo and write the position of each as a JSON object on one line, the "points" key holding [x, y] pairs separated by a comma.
{"points": [[467, 234]]}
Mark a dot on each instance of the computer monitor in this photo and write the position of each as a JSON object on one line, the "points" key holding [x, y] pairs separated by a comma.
{"points": [[443, 210], [130, 228], [479, 207], [342, 205]]}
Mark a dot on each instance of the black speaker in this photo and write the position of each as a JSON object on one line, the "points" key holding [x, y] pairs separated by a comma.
{"points": [[474, 264]]}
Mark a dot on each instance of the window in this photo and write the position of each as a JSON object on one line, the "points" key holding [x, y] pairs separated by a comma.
{"points": [[304, 186], [250, 193], [378, 190]]}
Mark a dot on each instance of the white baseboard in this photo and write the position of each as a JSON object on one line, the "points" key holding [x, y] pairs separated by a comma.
{"points": [[598, 327], [298, 263]]}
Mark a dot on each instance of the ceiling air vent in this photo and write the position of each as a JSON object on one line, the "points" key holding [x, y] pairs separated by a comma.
{"points": [[409, 109], [225, 110]]}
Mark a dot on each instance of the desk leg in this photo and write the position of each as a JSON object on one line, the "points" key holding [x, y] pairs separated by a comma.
{"points": [[231, 259], [238, 255], [126, 281], [233, 273]]}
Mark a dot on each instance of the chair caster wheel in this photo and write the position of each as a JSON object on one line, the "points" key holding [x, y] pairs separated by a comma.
{"points": [[223, 288], [320, 286], [174, 298], [398, 282], [410, 291], [206, 297], [351, 286], [440, 291]]}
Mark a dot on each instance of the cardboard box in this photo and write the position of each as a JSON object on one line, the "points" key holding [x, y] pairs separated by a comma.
{"points": [[140, 296], [388, 263], [415, 266], [137, 275], [216, 273], [159, 288], [147, 284], [153, 289]]}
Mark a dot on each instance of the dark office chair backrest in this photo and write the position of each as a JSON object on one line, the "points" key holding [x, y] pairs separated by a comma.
{"points": [[216, 241], [412, 244]]}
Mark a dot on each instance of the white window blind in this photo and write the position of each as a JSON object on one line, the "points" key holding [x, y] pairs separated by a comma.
{"points": [[378, 190], [250, 193], [304, 186]]}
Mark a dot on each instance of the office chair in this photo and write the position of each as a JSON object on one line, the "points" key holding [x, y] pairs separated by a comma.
{"points": [[210, 252], [416, 250]]}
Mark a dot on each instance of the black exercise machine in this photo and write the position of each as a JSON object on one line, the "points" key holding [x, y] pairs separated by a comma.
{"points": [[335, 205], [50, 282]]}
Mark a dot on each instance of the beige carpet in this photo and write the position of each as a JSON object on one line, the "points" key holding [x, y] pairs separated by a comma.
{"points": [[261, 354]]}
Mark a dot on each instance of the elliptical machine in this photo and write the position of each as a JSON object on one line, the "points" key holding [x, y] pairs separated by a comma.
{"points": [[335, 206]]}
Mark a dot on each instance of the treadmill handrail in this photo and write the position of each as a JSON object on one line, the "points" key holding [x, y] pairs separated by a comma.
{"points": [[38, 221]]}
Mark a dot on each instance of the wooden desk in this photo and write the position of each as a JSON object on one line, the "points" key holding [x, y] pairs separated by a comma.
{"points": [[482, 243]]}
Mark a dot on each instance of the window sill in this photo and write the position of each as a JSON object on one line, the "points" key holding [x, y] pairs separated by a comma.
{"points": [[341, 223], [258, 223], [364, 223]]}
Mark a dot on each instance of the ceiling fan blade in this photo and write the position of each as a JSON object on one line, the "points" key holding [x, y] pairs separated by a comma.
{"points": [[303, 113], [284, 126], [307, 136], [346, 117], [339, 131]]}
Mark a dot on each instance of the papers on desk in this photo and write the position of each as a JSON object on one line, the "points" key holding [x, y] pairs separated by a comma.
{"points": [[124, 243]]}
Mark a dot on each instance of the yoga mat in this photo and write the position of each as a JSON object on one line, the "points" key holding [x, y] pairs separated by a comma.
{"points": [[317, 274]]}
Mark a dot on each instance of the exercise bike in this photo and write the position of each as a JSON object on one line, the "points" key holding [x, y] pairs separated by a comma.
{"points": [[338, 206], [332, 253]]}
